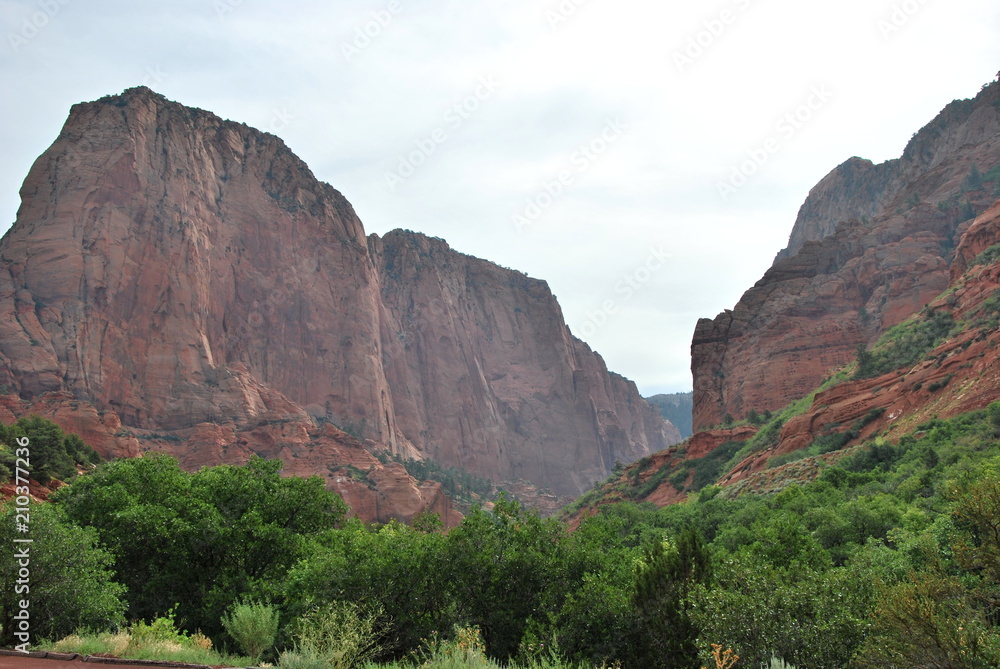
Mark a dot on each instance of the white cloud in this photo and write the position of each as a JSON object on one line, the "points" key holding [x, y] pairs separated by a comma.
{"points": [[350, 119]]}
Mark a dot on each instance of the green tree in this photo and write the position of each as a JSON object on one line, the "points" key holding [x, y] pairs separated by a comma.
{"points": [[929, 621], [397, 568], [811, 618], [54, 454], [502, 566], [977, 543], [667, 634], [204, 540], [70, 584]]}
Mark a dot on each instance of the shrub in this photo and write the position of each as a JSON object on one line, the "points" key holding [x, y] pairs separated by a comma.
{"points": [[905, 344], [927, 621], [988, 257], [465, 649], [938, 385], [341, 634], [707, 469], [253, 626], [988, 313], [72, 583]]}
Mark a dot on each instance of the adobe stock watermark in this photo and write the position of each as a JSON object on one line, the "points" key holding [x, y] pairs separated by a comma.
{"points": [[786, 128], [709, 34], [365, 34], [899, 16], [451, 120], [154, 77], [625, 289], [579, 162], [562, 12], [22, 545], [34, 24], [224, 8], [280, 118]]}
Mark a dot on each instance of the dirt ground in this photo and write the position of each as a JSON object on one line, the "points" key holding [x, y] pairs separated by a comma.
{"points": [[24, 662]]}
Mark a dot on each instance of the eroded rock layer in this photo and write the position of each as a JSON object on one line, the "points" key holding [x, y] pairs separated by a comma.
{"points": [[872, 245], [182, 283]]}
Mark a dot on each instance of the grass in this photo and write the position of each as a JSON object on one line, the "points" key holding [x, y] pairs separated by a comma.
{"points": [[316, 648], [467, 651], [905, 344], [158, 640], [123, 645], [988, 257]]}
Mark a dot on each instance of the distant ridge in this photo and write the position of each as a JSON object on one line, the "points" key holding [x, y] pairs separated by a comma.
{"points": [[676, 407]]}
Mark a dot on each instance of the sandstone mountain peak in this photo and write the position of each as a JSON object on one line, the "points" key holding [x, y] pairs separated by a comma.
{"points": [[871, 246], [182, 283]]}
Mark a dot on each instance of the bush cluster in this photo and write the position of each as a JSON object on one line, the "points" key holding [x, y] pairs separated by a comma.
{"points": [[905, 344], [889, 559], [54, 453]]}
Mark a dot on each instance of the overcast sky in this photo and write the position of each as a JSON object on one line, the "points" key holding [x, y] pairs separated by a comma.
{"points": [[601, 145]]}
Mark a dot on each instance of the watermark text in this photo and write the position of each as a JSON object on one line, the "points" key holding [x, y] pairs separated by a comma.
{"points": [[22, 545]]}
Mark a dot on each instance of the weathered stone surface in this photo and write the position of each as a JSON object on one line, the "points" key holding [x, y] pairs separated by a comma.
{"points": [[856, 190], [486, 375], [873, 245], [981, 235], [182, 283]]}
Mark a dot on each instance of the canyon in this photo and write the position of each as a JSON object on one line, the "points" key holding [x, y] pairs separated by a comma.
{"points": [[176, 282]]}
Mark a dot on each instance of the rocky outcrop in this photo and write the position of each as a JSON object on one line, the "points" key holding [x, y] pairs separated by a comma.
{"points": [[873, 244], [959, 375], [650, 480], [856, 190], [181, 283], [981, 235]]}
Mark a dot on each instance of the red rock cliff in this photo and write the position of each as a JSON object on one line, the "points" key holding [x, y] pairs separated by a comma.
{"points": [[485, 373], [872, 245], [191, 283]]}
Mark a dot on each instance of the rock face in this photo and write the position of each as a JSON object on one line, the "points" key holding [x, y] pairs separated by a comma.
{"points": [[856, 190], [189, 286], [486, 375], [872, 245], [959, 375]]}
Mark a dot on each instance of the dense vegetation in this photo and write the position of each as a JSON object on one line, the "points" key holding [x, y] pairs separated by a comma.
{"points": [[891, 558], [54, 454], [905, 344], [459, 484]]}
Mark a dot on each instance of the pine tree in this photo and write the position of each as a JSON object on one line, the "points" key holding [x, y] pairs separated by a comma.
{"points": [[667, 638]]}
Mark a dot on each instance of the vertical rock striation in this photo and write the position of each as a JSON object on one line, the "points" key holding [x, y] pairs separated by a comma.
{"points": [[192, 285]]}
